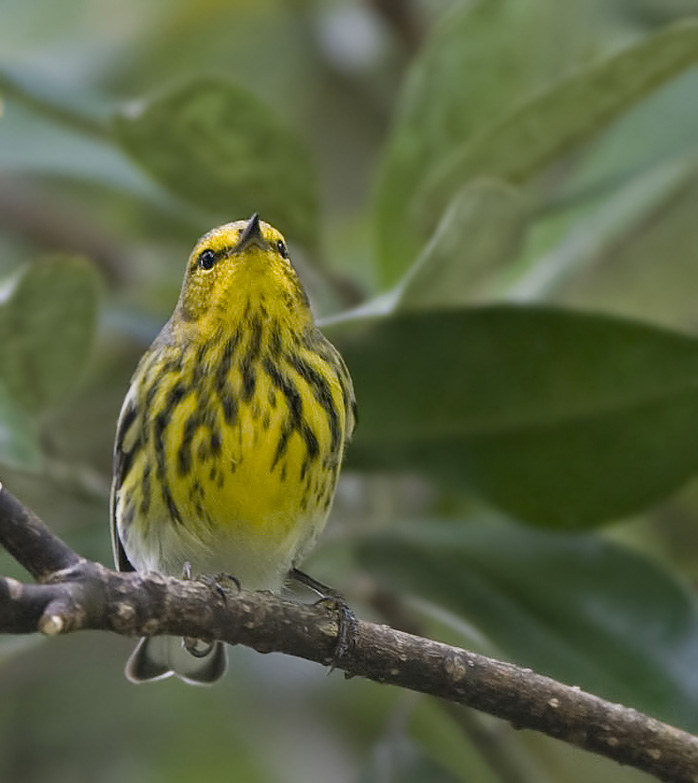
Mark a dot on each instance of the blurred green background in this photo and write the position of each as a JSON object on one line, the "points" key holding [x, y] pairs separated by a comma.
{"points": [[493, 205]]}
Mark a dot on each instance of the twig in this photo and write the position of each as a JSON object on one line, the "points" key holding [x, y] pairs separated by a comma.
{"points": [[30, 542], [77, 594], [51, 109]]}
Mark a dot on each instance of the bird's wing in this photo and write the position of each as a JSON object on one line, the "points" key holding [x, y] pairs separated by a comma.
{"points": [[126, 420]]}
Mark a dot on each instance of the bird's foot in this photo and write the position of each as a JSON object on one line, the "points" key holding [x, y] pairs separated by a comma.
{"points": [[218, 582], [348, 625], [227, 581]]}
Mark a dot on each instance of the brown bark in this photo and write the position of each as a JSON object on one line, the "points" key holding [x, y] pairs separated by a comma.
{"points": [[75, 594]]}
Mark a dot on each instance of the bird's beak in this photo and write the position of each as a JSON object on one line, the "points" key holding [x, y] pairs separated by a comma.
{"points": [[252, 235]]}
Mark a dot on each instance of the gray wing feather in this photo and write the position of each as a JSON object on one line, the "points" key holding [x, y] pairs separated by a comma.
{"points": [[126, 420]]}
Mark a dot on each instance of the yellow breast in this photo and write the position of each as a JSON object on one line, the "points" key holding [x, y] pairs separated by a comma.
{"points": [[242, 445], [255, 468]]}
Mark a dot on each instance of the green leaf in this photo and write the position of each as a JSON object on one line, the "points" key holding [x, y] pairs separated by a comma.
{"points": [[482, 59], [582, 610], [217, 146], [552, 123], [640, 139], [561, 418], [597, 230], [19, 444], [480, 231], [47, 324], [650, 272]]}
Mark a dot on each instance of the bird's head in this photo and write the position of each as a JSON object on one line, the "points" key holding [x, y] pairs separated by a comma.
{"points": [[237, 270]]}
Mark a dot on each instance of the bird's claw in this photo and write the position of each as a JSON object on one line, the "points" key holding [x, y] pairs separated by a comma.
{"points": [[218, 582], [348, 627]]}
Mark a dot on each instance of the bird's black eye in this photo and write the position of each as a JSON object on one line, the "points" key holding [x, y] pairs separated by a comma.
{"points": [[207, 259], [281, 249]]}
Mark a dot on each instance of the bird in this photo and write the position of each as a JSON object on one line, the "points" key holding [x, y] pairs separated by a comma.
{"points": [[230, 438]]}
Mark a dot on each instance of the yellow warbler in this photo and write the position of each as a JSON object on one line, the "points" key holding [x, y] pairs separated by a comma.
{"points": [[231, 435]]}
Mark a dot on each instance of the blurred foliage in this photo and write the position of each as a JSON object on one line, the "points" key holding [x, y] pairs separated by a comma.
{"points": [[493, 206], [224, 150], [47, 321], [615, 621]]}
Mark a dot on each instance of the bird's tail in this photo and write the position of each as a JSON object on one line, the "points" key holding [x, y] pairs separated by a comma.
{"points": [[157, 657]]}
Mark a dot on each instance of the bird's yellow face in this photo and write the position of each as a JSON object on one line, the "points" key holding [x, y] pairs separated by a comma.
{"points": [[235, 269]]}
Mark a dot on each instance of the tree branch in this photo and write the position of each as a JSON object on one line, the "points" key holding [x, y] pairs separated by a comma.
{"points": [[77, 594], [30, 542]]}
